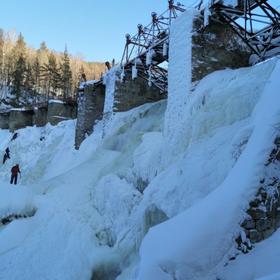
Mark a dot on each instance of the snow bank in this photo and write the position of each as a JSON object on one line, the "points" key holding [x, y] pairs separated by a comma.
{"points": [[262, 263], [84, 198], [188, 253], [15, 201]]}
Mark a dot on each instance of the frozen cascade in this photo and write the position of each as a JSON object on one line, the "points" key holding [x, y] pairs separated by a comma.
{"points": [[179, 79], [103, 208], [109, 79]]}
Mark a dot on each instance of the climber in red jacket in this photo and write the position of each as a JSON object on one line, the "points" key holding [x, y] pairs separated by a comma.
{"points": [[15, 170]]}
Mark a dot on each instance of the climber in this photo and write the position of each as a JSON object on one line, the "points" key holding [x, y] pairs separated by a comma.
{"points": [[14, 136], [108, 65], [15, 170], [6, 155]]}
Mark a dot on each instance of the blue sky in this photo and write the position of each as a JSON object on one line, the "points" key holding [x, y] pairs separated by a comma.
{"points": [[94, 28]]}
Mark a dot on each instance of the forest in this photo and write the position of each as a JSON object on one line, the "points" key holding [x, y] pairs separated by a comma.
{"points": [[29, 75]]}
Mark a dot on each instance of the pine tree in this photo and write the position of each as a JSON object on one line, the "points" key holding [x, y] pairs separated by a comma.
{"points": [[36, 69], [18, 74], [50, 73], [29, 83], [66, 75]]}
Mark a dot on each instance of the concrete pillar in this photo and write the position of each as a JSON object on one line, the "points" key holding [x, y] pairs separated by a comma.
{"points": [[40, 116], [90, 109], [4, 120], [20, 119], [216, 47], [132, 93], [60, 111]]}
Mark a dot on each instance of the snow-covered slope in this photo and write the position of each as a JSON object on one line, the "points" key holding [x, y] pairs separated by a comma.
{"points": [[91, 209]]}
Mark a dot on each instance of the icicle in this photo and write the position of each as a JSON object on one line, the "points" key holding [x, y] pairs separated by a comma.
{"points": [[149, 57], [150, 77], [165, 49], [122, 74], [134, 71], [207, 14]]}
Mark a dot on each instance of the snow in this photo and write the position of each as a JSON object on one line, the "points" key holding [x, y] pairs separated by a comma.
{"points": [[149, 56], [260, 264], [55, 101], [89, 82], [196, 159], [109, 79], [19, 109], [134, 72], [190, 255], [165, 49], [90, 204], [14, 202]]}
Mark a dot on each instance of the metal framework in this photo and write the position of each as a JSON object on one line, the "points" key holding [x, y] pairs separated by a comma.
{"points": [[256, 22], [148, 48]]}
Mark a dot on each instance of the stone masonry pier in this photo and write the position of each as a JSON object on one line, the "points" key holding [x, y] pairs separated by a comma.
{"points": [[90, 109], [215, 47], [53, 112], [132, 93]]}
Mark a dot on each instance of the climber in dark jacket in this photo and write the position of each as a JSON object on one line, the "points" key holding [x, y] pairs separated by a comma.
{"points": [[6, 155], [15, 170], [15, 135]]}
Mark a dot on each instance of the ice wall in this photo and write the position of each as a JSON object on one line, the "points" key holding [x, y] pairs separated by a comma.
{"points": [[198, 240], [109, 80], [179, 78]]}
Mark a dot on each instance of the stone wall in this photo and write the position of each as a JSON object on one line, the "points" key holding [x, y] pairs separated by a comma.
{"points": [[216, 47], [53, 113], [4, 120], [132, 93], [263, 215], [20, 119], [59, 111], [90, 109], [40, 116]]}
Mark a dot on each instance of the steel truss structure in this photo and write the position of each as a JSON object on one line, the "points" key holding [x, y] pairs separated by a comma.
{"points": [[256, 22], [148, 48]]}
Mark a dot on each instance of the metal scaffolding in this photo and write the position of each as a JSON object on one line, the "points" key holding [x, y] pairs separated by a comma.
{"points": [[148, 48], [256, 22]]}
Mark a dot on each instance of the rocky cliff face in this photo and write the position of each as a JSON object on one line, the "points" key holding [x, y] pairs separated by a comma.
{"points": [[263, 214], [90, 109]]}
